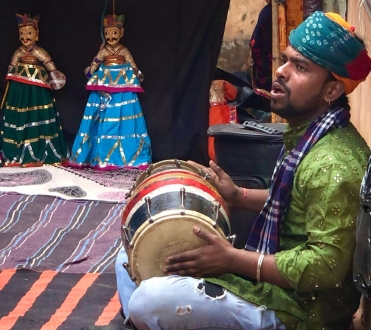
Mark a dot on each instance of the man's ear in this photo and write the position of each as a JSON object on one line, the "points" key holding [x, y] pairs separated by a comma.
{"points": [[334, 90], [122, 32]]}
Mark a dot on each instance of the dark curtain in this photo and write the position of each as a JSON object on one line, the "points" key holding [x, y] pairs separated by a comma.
{"points": [[175, 43]]}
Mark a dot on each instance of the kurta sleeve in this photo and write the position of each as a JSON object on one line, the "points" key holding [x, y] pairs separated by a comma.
{"points": [[331, 197]]}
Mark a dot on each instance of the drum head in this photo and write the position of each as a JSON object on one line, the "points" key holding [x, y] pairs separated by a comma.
{"points": [[170, 233]]}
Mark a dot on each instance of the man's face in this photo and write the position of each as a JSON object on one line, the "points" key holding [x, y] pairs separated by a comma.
{"points": [[113, 35], [27, 35], [298, 92]]}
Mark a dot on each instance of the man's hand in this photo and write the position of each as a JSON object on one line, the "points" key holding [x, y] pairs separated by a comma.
{"points": [[221, 181], [211, 260]]}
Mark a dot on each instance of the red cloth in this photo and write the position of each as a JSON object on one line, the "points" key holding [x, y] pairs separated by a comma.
{"points": [[221, 114]]}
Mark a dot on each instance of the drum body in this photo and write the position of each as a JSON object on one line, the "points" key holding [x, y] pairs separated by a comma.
{"points": [[166, 202]]}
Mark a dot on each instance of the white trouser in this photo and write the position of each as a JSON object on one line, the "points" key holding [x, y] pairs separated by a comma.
{"points": [[176, 302]]}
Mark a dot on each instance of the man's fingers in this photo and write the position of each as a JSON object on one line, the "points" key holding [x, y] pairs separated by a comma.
{"points": [[175, 268], [194, 163], [199, 166], [217, 169], [204, 171], [182, 257], [186, 272], [206, 236]]}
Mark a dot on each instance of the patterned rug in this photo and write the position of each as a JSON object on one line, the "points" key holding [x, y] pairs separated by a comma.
{"points": [[48, 233], [68, 183], [122, 178]]}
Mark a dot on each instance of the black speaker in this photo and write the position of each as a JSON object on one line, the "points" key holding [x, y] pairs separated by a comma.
{"points": [[248, 153]]}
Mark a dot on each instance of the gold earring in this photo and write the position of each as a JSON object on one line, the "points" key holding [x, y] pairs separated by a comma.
{"points": [[329, 103]]}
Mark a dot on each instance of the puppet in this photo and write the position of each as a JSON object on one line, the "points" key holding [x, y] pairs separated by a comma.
{"points": [[113, 131], [31, 132]]}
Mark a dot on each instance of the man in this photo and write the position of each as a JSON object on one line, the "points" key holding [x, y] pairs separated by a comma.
{"points": [[295, 272]]}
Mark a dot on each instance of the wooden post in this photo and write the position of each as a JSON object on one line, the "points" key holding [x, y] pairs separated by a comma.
{"points": [[276, 49], [275, 37]]}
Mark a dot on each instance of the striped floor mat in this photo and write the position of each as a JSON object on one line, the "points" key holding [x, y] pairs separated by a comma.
{"points": [[41, 232], [50, 300]]}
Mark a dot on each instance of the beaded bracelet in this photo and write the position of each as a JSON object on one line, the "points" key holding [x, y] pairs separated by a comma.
{"points": [[259, 267]]}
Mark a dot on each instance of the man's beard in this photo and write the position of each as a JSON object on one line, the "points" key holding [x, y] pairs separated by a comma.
{"points": [[288, 111]]}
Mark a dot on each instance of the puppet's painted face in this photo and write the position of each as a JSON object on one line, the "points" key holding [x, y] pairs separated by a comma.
{"points": [[27, 35], [113, 35]]}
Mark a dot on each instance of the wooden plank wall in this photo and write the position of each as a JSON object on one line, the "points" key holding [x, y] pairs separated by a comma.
{"points": [[360, 99]]}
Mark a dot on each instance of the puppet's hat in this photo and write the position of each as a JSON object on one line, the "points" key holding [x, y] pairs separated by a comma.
{"points": [[26, 20], [114, 21]]}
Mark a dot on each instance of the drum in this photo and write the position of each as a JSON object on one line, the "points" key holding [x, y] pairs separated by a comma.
{"points": [[165, 203]]}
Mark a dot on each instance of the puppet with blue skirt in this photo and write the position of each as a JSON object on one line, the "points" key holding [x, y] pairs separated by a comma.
{"points": [[113, 131]]}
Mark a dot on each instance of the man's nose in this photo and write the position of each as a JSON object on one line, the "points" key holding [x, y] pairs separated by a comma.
{"points": [[281, 71]]}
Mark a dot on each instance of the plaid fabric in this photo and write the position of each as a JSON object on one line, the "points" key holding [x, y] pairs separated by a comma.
{"points": [[264, 236]]}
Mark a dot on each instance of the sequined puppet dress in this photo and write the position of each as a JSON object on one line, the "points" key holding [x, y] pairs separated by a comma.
{"points": [[113, 131], [31, 132]]}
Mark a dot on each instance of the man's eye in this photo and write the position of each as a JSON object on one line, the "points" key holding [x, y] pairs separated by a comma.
{"points": [[300, 68]]}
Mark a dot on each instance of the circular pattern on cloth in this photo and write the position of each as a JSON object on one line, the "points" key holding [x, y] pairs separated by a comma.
{"points": [[30, 178], [70, 191]]}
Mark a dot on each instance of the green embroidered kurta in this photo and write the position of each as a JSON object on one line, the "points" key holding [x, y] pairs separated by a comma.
{"points": [[317, 237]]}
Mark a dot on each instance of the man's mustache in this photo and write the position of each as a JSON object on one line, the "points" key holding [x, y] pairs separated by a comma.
{"points": [[111, 39], [281, 82], [27, 39]]}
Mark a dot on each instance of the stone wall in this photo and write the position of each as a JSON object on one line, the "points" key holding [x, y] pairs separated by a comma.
{"points": [[235, 51]]}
